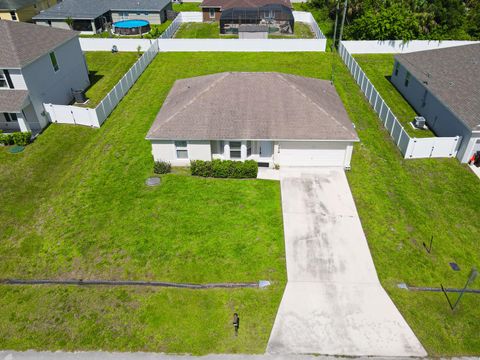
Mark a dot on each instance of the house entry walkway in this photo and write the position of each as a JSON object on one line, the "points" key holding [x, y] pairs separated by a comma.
{"points": [[333, 303]]}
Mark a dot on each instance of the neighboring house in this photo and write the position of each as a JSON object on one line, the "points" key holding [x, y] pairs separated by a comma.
{"points": [[37, 65], [93, 16], [443, 85], [271, 118], [23, 10], [276, 14]]}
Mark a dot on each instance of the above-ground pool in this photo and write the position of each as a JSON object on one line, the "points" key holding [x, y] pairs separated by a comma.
{"points": [[131, 27]]}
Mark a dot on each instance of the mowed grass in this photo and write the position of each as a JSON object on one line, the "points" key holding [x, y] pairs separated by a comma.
{"points": [[193, 30], [300, 31], [105, 70], [187, 6], [212, 31], [379, 69], [76, 206], [71, 182]]}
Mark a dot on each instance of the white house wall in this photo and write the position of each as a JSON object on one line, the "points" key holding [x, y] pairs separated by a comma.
{"points": [[164, 150], [153, 18], [47, 86], [440, 119]]}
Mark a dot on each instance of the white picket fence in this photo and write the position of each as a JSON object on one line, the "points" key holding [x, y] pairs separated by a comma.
{"points": [[411, 148], [70, 114]]}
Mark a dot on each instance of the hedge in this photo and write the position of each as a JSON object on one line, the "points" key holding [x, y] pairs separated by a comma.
{"points": [[225, 169], [17, 138]]}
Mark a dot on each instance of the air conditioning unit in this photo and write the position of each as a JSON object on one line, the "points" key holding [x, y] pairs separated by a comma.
{"points": [[419, 122]]}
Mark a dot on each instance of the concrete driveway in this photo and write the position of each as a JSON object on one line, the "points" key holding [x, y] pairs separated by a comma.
{"points": [[333, 303]]}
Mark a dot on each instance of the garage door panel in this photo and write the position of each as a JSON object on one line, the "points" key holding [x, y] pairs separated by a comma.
{"points": [[304, 153]]}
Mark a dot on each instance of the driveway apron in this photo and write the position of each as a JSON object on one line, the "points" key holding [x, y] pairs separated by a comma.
{"points": [[333, 303]]}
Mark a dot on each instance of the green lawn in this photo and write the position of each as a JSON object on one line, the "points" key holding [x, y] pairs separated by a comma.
{"points": [[301, 31], [379, 68], [212, 31], [187, 6], [74, 205], [105, 70], [192, 30]]}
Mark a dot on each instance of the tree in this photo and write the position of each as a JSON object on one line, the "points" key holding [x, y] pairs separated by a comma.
{"points": [[69, 22], [395, 22], [473, 19]]}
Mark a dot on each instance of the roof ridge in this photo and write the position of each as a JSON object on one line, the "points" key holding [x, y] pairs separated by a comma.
{"points": [[281, 76]]}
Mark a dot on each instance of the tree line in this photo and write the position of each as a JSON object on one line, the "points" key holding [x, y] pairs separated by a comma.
{"points": [[407, 19]]}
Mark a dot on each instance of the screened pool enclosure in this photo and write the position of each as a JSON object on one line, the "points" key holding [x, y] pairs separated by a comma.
{"points": [[278, 18]]}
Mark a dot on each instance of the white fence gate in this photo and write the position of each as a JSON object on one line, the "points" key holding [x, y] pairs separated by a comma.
{"points": [[411, 148], [70, 114]]}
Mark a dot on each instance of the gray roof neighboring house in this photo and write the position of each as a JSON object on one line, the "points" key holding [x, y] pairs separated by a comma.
{"points": [[15, 4], [252, 106], [22, 43], [13, 101], [452, 75], [91, 9]]}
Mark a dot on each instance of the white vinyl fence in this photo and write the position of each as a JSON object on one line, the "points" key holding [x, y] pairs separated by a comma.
{"points": [[398, 46], [168, 43], [411, 148], [97, 44], [70, 114], [307, 17]]}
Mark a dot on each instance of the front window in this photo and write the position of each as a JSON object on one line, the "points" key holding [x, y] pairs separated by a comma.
{"points": [[53, 59], [407, 79], [3, 80], [9, 117], [235, 149], [212, 13], [249, 148], [181, 149]]}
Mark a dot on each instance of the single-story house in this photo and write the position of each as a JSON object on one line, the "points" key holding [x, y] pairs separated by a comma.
{"points": [[38, 65], [443, 86], [276, 14], [271, 118], [23, 10], [93, 16]]}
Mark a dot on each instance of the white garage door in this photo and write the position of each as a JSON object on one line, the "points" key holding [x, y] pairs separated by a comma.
{"points": [[305, 153]]}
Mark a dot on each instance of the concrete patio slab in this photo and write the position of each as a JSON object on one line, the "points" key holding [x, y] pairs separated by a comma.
{"points": [[333, 303]]}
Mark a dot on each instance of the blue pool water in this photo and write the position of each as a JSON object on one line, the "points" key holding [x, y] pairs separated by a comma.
{"points": [[128, 24]]}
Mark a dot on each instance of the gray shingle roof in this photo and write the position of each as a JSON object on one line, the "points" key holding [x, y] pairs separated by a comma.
{"points": [[13, 101], [452, 75], [21, 43], [15, 4], [91, 9], [252, 106]]}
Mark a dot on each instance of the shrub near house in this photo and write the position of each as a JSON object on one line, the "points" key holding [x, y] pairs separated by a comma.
{"points": [[225, 169], [17, 138]]}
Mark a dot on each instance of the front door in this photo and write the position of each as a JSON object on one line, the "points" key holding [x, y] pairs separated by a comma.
{"points": [[266, 149]]}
